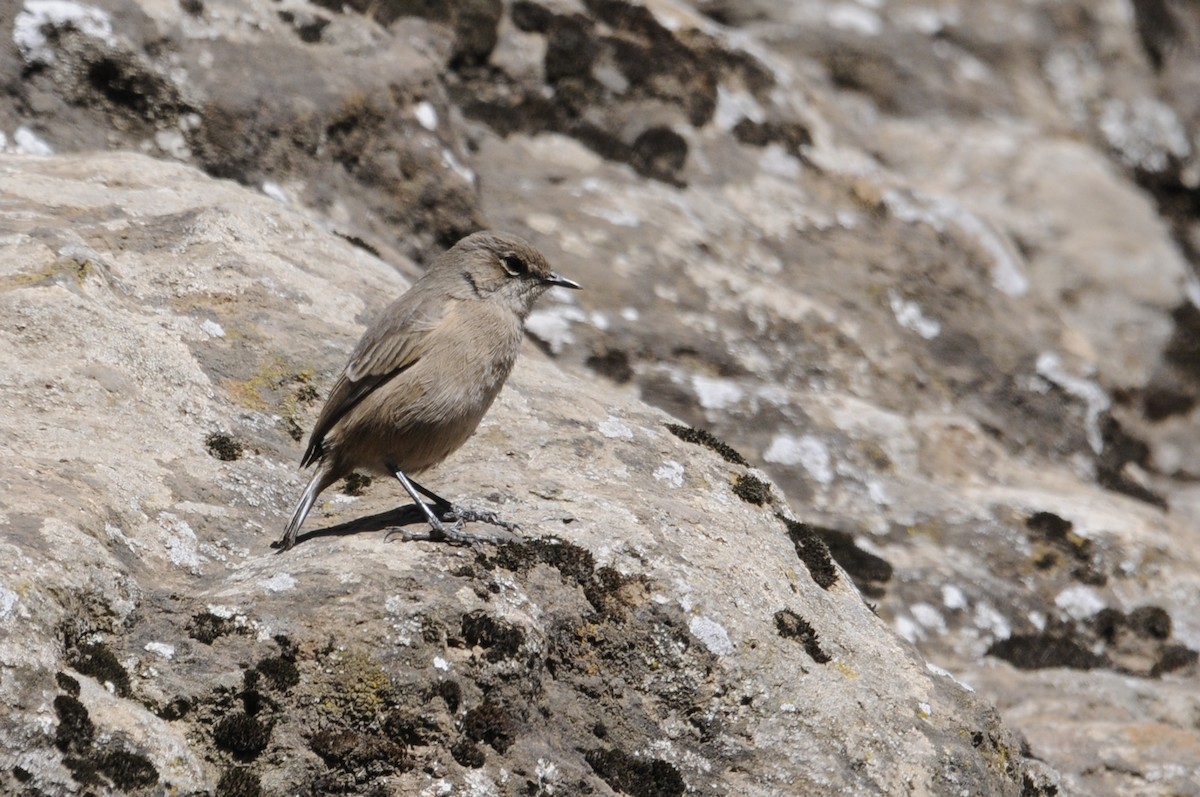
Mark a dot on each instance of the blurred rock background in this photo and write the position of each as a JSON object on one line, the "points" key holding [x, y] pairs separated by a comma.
{"points": [[929, 265]]}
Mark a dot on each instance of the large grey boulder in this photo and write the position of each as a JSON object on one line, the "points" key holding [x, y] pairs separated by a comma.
{"points": [[658, 625]]}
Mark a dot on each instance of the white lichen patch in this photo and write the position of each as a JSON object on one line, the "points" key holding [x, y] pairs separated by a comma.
{"points": [[807, 452], [26, 142], [1146, 133], [716, 394], [910, 316], [907, 628], [614, 429], [8, 602], [987, 618], [734, 105], [855, 19], [670, 472], [181, 543], [942, 213], [552, 325], [212, 328], [1079, 601], [275, 191], [953, 597], [160, 649], [280, 582], [33, 23], [427, 115], [618, 217], [451, 162], [1050, 367], [929, 617], [936, 670], [712, 635]]}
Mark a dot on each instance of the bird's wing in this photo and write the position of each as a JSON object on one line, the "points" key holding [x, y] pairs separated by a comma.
{"points": [[392, 345]]}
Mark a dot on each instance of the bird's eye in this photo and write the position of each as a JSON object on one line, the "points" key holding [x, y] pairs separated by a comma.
{"points": [[514, 265]]}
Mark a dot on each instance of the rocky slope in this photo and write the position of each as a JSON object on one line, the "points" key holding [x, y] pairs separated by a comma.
{"points": [[929, 265], [660, 625]]}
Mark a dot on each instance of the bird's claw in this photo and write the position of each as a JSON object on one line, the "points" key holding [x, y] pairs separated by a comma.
{"points": [[460, 514], [449, 527], [450, 533]]}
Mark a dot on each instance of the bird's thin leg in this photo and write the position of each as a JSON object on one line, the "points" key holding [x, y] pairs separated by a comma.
{"points": [[455, 513], [439, 530]]}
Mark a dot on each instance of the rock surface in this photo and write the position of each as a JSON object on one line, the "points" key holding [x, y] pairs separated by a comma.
{"points": [[654, 629], [931, 266]]}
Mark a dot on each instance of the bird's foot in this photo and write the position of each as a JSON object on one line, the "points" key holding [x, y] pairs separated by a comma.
{"points": [[450, 533], [446, 523], [461, 514]]}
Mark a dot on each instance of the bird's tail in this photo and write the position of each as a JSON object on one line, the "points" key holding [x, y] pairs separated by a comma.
{"points": [[320, 480]]}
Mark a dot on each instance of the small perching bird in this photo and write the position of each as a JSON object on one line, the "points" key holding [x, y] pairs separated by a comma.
{"points": [[425, 372]]}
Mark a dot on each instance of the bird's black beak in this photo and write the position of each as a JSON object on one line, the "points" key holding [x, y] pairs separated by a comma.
{"points": [[560, 280]]}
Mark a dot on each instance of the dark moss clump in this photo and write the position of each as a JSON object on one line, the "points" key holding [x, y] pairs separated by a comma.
{"points": [[242, 735], [751, 490], [1172, 658], [491, 724], [1121, 448], [868, 571], [793, 626], [613, 363], [369, 753], [605, 588], [239, 782], [635, 776], [75, 736], [1152, 622], [175, 709], [813, 551], [67, 684], [354, 240], [1049, 526], [791, 135], [223, 447], [207, 627], [1039, 651], [575, 563], [97, 661], [411, 729], [356, 484], [501, 640], [451, 693], [279, 671], [468, 754], [610, 592], [120, 769], [253, 701], [700, 437], [1058, 537], [126, 770], [75, 730]]}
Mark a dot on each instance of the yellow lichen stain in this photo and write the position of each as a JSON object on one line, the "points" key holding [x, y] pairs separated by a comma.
{"points": [[77, 269], [587, 656], [845, 669], [273, 374], [356, 688]]}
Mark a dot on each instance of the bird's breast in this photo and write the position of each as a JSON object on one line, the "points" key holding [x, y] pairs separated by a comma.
{"points": [[470, 356]]}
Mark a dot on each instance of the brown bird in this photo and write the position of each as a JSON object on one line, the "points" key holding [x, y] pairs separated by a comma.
{"points": [[423, 375]]}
